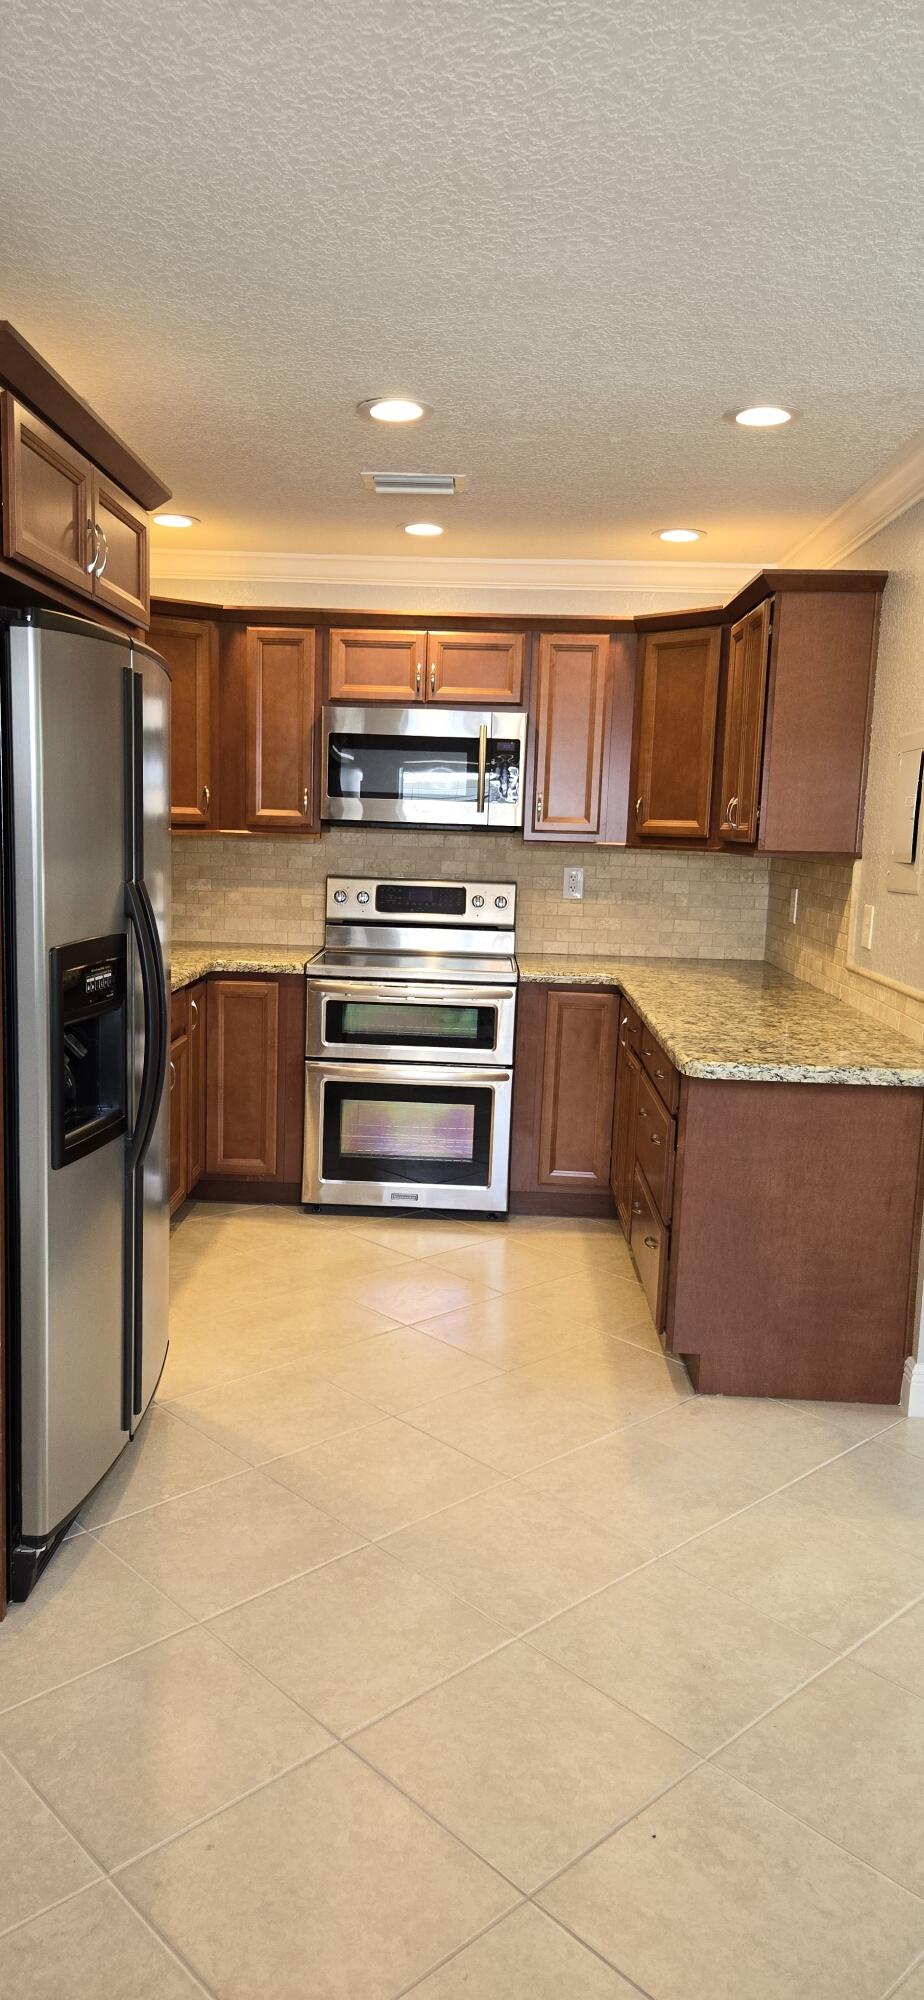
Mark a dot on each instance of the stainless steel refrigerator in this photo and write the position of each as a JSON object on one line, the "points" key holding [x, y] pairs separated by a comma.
{"points": [[85, 725]]}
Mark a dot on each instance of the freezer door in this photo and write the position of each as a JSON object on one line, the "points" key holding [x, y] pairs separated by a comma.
{"points": [[151, 1204], [66, 772]]}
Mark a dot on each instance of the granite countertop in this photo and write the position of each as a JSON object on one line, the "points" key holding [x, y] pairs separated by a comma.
{"points": [[743, 1019], [717, 1018]]}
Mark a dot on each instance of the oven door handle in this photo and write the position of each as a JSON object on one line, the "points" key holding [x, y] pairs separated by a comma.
{"points": [[393, 1072], [399, 994]]}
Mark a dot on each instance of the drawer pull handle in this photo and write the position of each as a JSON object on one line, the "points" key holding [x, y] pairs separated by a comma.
{"points": [[194, 1011], [638, 812], [651, 1243], [172, 1074], [642, 1112], [637, 1208], [417, 676], [206, 796], [654, 1139], [538, 808], [433, 680], [305, 802], [660, 1073]]}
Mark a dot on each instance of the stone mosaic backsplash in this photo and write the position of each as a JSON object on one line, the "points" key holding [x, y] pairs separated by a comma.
{"points": [[815, 947], [255, 891]]}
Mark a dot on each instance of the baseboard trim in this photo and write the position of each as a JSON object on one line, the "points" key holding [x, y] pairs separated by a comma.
{"points": [[912, 1396]]}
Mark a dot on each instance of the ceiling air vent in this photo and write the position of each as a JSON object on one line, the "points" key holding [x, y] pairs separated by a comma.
{"points": [[435, 484]]}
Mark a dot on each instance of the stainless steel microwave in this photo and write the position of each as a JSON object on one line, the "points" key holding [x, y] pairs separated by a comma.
{"points": [[423, 766]]}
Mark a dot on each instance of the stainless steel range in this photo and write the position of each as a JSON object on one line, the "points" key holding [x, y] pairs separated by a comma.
{"points": [[409, 1046]]}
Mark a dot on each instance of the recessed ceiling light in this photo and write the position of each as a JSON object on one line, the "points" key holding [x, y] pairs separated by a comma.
{"points": [[393, 409], [422, 528], [177, 520], [680, 534], [763, 417]]}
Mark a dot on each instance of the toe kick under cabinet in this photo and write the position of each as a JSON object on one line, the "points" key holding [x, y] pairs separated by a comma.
{"points": [[774, 1226]]}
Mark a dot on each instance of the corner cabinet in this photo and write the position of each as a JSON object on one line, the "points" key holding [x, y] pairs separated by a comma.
{"points": [[677, 704], [281, 793], [570, 728], [190, 648]]}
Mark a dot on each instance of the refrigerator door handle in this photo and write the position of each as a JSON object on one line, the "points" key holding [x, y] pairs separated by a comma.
{"points": [[162, 998], [152, 1072]]}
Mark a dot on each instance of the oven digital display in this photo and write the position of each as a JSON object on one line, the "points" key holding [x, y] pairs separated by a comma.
{"points": [[382, 1129], [420, 899]]}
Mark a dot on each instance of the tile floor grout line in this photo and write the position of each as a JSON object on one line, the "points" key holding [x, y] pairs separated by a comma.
{"points": [[405, 1992], [165, 1942], [22, 1923], [99, 1666], [895, 1992], [611, 1966], [202, 1618], [55, 1813], [917, 1895], [96, 1527]]}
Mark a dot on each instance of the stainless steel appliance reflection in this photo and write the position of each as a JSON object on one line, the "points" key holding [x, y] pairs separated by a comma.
{"points": [[422, 767]]}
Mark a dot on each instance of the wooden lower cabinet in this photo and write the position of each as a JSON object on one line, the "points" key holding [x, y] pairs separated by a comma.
{"points": [[564, 1076], [196, 1033], [255, 1087], [649, 1243], [624, 1123]]}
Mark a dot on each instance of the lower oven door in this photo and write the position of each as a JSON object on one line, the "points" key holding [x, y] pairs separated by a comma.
{"points": [[381, 1021], [418, 1135]]}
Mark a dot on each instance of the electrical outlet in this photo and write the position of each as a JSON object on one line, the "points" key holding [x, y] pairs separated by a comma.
{"points": [[866, 928], [793, 905], [573, 891]]}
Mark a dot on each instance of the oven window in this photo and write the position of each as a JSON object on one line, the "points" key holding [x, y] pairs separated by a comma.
{"points": [[402, 767], [392, 1023], [407, 1132]]}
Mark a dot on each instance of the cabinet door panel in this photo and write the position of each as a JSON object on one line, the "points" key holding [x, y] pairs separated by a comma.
{"points": [[377, 666], [577, 1090], [570, 735], [748, 657], [123, 584], [197, 1083], [482, 667], [677, 715], [178, 1079], [242, 1053], [281, 795], [47, 500], [190, 648]]}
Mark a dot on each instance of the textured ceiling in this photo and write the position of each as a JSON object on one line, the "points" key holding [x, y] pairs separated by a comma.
{"points": [[580, 229]]}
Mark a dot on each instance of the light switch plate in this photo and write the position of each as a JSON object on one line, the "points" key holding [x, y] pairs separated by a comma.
{"points": [[573, 891]]}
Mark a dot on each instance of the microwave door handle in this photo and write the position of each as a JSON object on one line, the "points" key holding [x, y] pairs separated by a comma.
{"points": [[482, 764]]}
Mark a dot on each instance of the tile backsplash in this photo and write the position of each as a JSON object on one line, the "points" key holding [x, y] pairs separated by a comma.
{"points": [[230, 890], [815, 947]]}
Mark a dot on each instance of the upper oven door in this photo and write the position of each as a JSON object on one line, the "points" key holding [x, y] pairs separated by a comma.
{"points": [[422, 767], [386, 1021]]}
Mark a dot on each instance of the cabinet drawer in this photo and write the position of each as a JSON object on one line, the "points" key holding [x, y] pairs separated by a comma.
{"points": [[178, 1014], [649, 1240], [654, 1145], [630, 1027], [660, 1068]]}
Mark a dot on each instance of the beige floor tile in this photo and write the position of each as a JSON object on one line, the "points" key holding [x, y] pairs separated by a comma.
{"points": [[515, 1555], [133, 1753], [600, 1297], [858, 1420], [212, 1549], [713, 1894], [381, 1478], [525, 1763], [281, 1409], [897, 1651], [524, 1957], [165, 1458], [39, 1862], [297, 1329], [511, 1423], [435, 1238], [847, 1756], [517, 1328], [803, 1567], [509, 1264], [905, 1435], [327, 1883], [876, 1489], [86, 1609], [418, 1291], [619, 1382], [694, 1662], [357, 1637], [769, 1443], [403, 1368], [911, 1989], [659, 1493], [93, 1947]]}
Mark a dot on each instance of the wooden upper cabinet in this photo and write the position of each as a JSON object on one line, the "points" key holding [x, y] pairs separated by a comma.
{"points": [[679, 685], [743, 736], [370, 666], [579, 1068], [281, 791], [819, 701], [190, 648], [242, 1058], [121, 576], [47, 500], [482, 667], [571, 717]]}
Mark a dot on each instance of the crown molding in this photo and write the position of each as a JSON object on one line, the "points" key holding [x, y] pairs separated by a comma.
{"points": [[259, 576], [880, 500]]}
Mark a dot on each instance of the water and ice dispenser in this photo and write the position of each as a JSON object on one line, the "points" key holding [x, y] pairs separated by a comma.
{"points": [[88, 1046]]}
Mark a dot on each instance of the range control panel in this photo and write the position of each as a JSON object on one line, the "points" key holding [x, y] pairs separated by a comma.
{"points": [[362, 899]]}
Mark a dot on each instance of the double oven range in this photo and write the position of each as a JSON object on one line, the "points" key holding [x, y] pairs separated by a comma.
{"points": [[409, 1046]]}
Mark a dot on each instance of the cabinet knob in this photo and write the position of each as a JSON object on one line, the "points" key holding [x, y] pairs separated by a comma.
{"points": [[538, 807], [433, 679], [206, 798]]}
